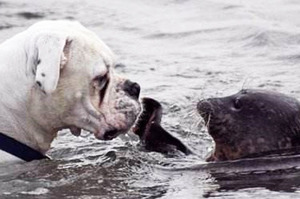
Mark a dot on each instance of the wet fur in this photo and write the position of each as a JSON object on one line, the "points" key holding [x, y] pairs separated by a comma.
{"points": [[266, 122]]}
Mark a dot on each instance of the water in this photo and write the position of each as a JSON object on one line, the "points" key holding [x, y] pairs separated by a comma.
{"points": [[180, 51]]}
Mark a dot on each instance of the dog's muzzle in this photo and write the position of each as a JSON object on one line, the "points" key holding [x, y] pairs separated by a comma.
{"points": [[132, 90]]}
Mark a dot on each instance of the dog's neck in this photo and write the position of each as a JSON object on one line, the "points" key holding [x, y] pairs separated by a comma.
{"points": [[15, 88], [19, 125]]}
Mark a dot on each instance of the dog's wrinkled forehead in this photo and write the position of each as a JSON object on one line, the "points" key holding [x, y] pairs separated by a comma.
{"points": [[100, 68]]}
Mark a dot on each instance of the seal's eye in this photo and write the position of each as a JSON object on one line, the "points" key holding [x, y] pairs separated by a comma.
{"points": [[237, 104]]}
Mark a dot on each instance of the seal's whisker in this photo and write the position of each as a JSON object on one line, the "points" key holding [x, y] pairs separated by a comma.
{"points": [[199, 122], [196, 123], [246, 82], [189, 135], [202, 112], [208, 121], [192, 111], [194, 114]]}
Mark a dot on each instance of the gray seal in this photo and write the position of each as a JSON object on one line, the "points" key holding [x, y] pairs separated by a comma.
{"points": [[251, 123]]}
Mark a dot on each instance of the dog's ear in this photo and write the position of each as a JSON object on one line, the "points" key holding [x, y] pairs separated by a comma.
{"points": [[49, 55]]}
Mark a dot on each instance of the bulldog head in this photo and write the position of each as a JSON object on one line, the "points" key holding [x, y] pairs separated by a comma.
{"points": [[75, 85]]}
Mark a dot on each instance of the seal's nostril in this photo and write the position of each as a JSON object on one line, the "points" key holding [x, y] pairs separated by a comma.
{"points": [[132, 88]]}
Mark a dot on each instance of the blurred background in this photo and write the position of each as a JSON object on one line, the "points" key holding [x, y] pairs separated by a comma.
{"points": [[180, 51]]}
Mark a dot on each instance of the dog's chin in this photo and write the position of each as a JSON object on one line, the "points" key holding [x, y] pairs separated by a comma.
{"points": [[100, 134], [109, 134], [107, 125], [103, 130], [119, 123], [114, 129]]}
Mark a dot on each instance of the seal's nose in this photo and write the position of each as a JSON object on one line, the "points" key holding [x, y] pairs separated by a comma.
{"points": [[132, 88], [204, 107]]}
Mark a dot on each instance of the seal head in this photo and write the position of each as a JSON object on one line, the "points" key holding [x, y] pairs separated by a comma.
{"points": [[251, 123]]}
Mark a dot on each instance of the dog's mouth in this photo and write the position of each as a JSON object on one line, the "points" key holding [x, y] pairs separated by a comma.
{"points": [[108, 135], [105, 121], [111, 134], [75, 130]]}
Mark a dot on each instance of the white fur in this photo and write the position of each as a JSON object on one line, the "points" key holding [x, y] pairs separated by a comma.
{"points": [[49, 48], [64, 57]]}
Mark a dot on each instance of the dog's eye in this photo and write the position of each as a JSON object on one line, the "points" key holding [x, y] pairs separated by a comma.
{"points": [[101, 81], [100, 84]]}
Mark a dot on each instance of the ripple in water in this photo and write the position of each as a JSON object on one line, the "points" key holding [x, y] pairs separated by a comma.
{"points": [[180, 52]]}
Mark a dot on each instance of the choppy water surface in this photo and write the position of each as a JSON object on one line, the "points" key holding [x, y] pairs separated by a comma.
{"points": [[180, 51]]}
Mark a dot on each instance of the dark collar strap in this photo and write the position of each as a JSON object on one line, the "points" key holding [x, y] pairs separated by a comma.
{"points": [[19, 150]]}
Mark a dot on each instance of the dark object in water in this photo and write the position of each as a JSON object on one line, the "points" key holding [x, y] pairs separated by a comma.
{"points": [[252, 123], [31, 15], [152, 135]]}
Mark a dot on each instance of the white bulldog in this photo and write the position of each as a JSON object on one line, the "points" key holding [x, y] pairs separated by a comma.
{"points": [[57, 75]]}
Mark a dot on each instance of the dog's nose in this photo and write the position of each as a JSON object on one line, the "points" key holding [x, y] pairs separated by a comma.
{"points": [[132, 88]]}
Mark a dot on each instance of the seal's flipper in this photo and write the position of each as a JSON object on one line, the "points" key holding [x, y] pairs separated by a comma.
{"points": [[153, 136], [152, 112], [158, 139]]}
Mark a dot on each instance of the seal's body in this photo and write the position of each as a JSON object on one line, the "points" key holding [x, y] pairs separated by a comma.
{"points": [[250, 123]]}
